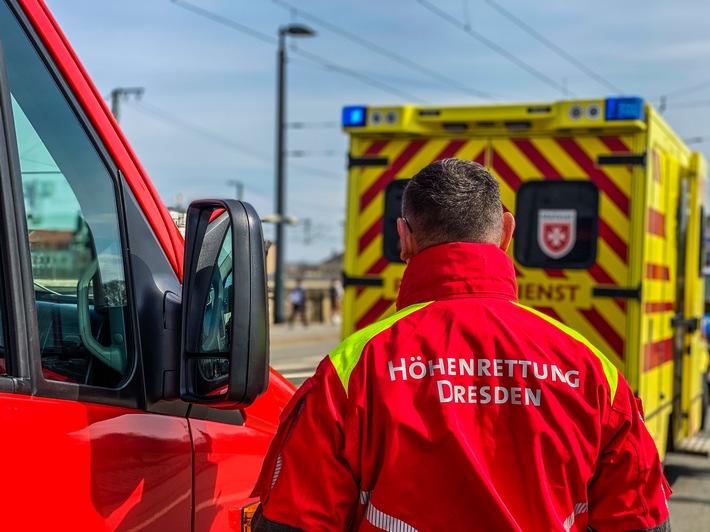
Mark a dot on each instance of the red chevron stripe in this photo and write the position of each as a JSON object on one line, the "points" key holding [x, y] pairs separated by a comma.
{"points": [[538, 159], [655, 222], [605, 184], [605, 330], [615, 144], [372, 315], [555, 273], [657, 353], [376, 147], [481, 158], [657, 272], [390, 173], [613, 240], [369, 235], [373, 149], [450, 150], [505, 172], [376, 268], [658, 306], [601, 276]]}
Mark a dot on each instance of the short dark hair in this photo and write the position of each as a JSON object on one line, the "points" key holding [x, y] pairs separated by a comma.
{"points": [[453, 200]]}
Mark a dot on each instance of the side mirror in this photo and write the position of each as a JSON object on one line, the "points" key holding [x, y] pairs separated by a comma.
{"points": [[225, 325]]}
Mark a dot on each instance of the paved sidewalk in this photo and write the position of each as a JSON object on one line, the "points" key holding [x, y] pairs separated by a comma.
{"points": [[283, 335]]}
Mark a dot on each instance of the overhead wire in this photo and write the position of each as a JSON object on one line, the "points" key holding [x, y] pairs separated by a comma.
{"points": [[697, 140], [687, 105], [327, 124], [687, 90], [493, 46], [165, 116], [146, 108], [552, 46], [308, 55], [356, 75], [156, 112], [365, 43]]}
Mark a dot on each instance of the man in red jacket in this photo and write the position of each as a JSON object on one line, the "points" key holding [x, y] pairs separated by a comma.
{"points": [[464, 410]]}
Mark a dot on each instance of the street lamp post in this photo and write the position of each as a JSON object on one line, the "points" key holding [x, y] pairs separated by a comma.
{"points": [[240, 187], [118, 93], [295, 30]]}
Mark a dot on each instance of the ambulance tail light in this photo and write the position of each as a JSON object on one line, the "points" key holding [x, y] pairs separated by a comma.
{"points": [[354, 116], [624, 108]]}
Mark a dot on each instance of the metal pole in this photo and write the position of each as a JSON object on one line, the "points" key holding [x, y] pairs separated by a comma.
{"points": [[279, 314], [240, 187], [116, 102], [118, 93]]}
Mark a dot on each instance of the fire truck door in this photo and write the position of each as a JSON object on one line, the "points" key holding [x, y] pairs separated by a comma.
{"points": [[79, 450]]}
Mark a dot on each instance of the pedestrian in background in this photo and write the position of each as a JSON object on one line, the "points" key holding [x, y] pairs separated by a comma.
{"points": [[336, 301], [297, 298], [464, 410]]}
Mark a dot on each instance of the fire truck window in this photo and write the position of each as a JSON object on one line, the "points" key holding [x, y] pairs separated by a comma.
{"points": [[557, 224], [391, 245], [73, 229]]}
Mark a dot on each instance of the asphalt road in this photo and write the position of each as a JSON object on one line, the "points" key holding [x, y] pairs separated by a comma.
{"points": [[689, 476], [296, 352]]}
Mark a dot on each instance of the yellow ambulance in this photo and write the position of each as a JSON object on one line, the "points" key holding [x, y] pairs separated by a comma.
{"points": [[610, 211]]}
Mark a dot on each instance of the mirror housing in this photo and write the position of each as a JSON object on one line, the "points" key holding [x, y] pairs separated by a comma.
{"points": [[236, 349]]}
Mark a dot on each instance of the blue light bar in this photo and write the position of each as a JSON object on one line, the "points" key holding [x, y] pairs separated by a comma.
{"points": [[626, 108], [354, 116]]}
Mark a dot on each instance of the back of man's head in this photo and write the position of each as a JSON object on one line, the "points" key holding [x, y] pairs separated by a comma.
{"points": [[453, 200]]}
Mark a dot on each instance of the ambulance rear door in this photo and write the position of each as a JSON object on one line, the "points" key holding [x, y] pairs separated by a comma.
{"points": [[571, 196]]}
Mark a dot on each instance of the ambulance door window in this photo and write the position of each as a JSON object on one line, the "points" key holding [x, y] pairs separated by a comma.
{"points": [[391, 246], [680, 325], [73, 228], [557, 224], [682, 223]]}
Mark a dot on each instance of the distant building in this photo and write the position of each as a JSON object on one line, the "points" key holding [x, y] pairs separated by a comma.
{"points": [[326, 270], [178, 214]]}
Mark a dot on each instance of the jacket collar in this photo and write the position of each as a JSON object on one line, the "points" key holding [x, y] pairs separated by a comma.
{"points": [[456, 270]]}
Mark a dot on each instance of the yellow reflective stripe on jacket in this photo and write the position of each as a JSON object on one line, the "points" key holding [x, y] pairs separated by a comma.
{"points": [[612, 375], [346, 356]]}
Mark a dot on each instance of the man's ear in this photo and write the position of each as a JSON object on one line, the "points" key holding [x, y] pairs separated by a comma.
{"points": [[508, 229], [405, 239]]}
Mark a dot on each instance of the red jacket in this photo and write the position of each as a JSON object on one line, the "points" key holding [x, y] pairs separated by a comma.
{"points": [[463, 411]]}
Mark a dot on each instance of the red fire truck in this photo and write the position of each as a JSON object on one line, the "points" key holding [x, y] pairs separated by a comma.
{"points": [[134, 377]]}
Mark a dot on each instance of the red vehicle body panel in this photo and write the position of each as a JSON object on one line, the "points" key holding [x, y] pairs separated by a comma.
{"points": [[116, 468], [120, 468]]}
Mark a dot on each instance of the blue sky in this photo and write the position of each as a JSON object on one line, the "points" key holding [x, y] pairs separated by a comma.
{"points": [[207, 116]]}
